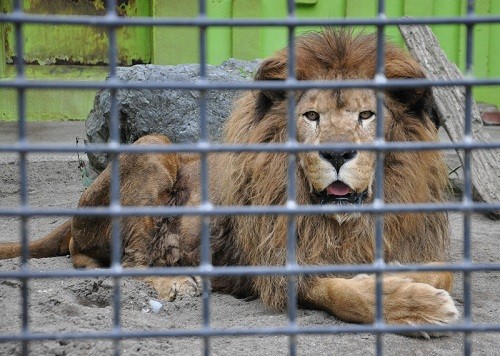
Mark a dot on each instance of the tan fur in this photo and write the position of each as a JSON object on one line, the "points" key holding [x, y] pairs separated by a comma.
{"points": [[260, 178]]}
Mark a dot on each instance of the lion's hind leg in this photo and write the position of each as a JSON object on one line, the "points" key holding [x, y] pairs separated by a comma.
{"points": [[82, 260]]}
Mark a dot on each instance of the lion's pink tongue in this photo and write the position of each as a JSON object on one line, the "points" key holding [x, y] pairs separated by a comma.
{"points": [[338, 188]]}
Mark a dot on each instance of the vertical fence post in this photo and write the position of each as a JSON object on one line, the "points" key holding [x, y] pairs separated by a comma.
{"points": [[23, 172], [379, 176], [291, 186], [467, 194]]}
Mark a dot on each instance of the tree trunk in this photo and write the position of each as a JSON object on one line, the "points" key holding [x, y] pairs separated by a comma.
{"points": [[450, 105]]}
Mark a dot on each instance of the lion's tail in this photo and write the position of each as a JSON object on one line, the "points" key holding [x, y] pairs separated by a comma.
{"points": [[55, 243]]}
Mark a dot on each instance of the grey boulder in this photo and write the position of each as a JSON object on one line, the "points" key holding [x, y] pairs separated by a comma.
{"points": [[175, 113]]}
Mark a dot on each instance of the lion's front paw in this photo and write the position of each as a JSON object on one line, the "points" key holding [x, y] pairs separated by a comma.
{"points": [[171, 288], [420, 303], [185, 286]]}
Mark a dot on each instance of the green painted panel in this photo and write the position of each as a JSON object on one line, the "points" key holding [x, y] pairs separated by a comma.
{"points": [[481, 41], [3, 63], [415, 8], [306, 2], [88, 45], [273, 38], [63, 52], [361, 8], [46, 104], [249, 43], [494, 45], [396, 9], [246, 41], [5, 7], [174, 45], [451, 37], [418, 8], [64, 104], [485, 46], [219, 39], [321, 9]]}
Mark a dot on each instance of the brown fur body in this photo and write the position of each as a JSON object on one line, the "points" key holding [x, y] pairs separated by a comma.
{"points": [[260, 178]]}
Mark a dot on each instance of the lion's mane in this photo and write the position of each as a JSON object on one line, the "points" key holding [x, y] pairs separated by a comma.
{"points": [[260, 178]]}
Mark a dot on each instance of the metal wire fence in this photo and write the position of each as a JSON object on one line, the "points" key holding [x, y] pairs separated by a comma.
{"points": [[110, 22]]}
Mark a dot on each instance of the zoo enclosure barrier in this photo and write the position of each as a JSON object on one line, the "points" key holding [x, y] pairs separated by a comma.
{"points": [[110, 22]]}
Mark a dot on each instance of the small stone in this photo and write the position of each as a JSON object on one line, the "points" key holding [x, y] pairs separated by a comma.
{"points": [[155, 306]]}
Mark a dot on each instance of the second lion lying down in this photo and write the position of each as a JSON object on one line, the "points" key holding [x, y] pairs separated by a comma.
{"points": [[322, 177]]}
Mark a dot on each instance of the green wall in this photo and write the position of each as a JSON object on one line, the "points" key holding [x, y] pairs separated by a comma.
{"points": [[65, 52], [80, 52]]}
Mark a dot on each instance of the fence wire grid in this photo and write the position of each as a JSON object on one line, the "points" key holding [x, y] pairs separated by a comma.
{"points": [[110, 22]]}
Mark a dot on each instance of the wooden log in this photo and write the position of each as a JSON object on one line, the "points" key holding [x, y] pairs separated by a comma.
{"points": [[450, 105]]}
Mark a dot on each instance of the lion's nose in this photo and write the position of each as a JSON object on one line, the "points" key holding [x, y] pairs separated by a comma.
{"points": [[338, 158]]}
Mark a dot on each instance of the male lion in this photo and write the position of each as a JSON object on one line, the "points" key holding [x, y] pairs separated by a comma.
{"points": [[322, 177]]}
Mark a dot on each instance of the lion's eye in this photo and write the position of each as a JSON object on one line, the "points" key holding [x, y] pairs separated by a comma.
{"points": [[365, 115], [312, 115]]}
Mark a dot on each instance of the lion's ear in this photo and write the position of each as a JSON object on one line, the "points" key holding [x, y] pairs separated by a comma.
{"points": [[270, 69], [273, 69], [417, 100]]}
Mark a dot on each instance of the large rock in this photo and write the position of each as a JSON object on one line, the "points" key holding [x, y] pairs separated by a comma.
{"points": [[174, 113]]}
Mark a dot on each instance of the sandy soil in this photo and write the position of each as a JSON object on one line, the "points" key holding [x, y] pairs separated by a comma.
{"points": [[83, 305]]}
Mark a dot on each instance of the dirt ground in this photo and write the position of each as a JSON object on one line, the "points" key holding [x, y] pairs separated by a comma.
{"points": [[83, 305]]}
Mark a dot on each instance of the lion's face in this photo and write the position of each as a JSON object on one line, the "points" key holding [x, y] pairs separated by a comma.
{"points": [[331, 117], [337, 116]]}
